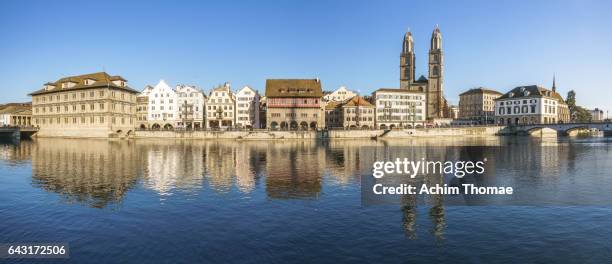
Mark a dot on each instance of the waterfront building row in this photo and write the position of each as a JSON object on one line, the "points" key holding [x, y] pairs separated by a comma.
{"points": [[187, 107], [528, 104]]}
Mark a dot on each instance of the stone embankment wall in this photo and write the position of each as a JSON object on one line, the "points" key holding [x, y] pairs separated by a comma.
{"points": [[244, 135], [354, 133], [272, 135], [332, 134], [444, 132]]}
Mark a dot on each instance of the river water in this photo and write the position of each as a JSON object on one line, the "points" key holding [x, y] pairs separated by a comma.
{"points": [[152, 201]]}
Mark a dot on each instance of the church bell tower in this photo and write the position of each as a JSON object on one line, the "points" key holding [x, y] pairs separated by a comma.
{"points": [[435, 86], [407, 62]]}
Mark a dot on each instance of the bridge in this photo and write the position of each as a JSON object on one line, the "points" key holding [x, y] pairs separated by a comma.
{"points": [[16, 133], [563, 129]]}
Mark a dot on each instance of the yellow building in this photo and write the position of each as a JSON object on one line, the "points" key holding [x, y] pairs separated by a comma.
{"points": [[355, 112], [478, 105], [93, 105]]}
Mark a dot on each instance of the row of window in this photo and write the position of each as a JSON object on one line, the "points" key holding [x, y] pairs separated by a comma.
{"points": [[161, 101], [224, 114], [531, 109], [215, 107], [401, 110], [161, 108], [294, 115], [525, 101], [83, 108], [245, 99], [162, 115], [400, 97], [364, 111], [82, 95], [397, 103], [369, 118], [219, 100], [399, 118], [185, 94], [293, 101], [79, 120]]}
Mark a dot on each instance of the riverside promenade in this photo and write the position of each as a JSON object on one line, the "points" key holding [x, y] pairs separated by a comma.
{"points": [[262, 134], [536, 130]]}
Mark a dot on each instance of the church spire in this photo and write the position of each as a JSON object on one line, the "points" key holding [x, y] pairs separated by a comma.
{"points": [[408, 45], [436, 39], [554, 86]]}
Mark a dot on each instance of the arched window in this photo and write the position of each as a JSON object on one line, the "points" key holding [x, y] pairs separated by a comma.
{"points": [[436, 71]]}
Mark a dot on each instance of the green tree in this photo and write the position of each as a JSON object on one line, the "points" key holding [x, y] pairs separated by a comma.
{"points": [[577, 113], [571, 99], [582, 115]]}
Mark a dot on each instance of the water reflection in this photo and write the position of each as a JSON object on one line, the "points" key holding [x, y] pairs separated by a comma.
{"points": [[99, 173], [13, 153], [170, 165], [293, 169]]}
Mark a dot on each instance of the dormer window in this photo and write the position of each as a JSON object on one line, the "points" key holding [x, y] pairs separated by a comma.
{"points": [[68, 84], [119, 83], [49, 87], [511, 94]]}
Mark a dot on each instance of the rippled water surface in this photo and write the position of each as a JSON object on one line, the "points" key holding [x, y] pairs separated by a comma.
{"points": [[150, 201]]}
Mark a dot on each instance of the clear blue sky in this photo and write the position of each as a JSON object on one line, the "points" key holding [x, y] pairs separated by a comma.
{"points": [[497, 44]]}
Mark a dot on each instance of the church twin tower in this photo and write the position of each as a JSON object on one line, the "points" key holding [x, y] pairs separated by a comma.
{"points": [[431, 86]]}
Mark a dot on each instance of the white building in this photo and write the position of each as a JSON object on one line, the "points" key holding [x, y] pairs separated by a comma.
{"points": [[247, 108], [340, 95], [530, 104], [16, 114], [191, 103], [399, 108], [597, 115], [163, 109], [220, 107]]}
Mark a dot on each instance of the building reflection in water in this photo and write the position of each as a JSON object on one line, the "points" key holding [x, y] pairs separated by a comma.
{"points": [[94, 172], [170, 165], [99, 173], [220, 160], [15, 152], [293, 169]]}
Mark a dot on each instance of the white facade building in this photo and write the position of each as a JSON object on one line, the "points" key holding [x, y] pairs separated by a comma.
{"points": [[340, 95], [597, 115], [220, 107], [530, 105], [163, 109], [399, 108], [247, 108], [191, 103]]}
